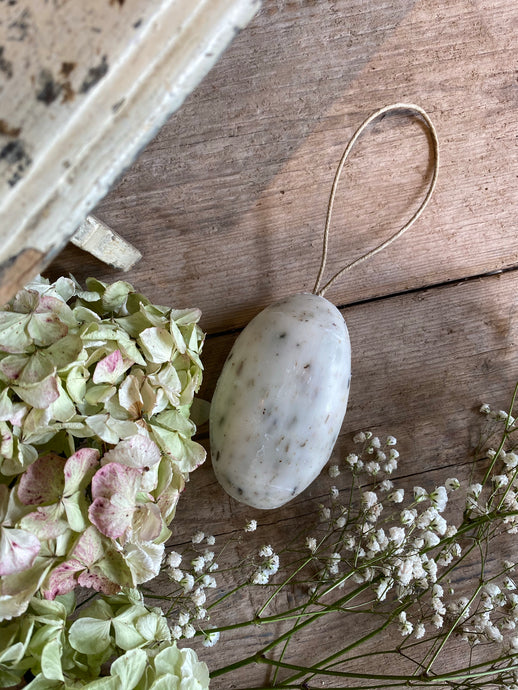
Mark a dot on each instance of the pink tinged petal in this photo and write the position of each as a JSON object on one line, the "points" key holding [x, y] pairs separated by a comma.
{"points": [[43, 481], [136, 451], [62, 579], [18, 550], [46, 328], [115, 478], [111, 517], [110, 368], [79, 469], [39, 395], [100, 583], [47, 522], [90, 548]]}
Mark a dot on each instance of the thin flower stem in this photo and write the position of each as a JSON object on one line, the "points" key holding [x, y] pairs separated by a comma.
{"points": [[504, 438], [447, 636]]}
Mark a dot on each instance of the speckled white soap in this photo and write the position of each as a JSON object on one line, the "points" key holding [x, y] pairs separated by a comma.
{"points": [[280, 401]]}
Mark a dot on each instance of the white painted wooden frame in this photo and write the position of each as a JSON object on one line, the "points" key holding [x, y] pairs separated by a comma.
{"points": [[83, 87]]}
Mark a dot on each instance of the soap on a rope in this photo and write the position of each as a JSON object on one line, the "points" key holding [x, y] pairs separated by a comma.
{"points": [[282, 394], [280, 401]]}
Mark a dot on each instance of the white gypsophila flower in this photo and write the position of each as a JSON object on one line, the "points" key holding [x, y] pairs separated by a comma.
{"points": [[198, 564], [437, 620], [382, 538], [484, 408], [187, 582], [405, 570], [372, 468], [333, 471], [386, 485], [349, 541], [390, 466], [390, 441], [334, 492], [511, 460], [271, 564], [198, 537], [189, 631], [176, 632], [439, 498], [474, 490], [250, 526], [452, 484], [210, 540], [266, 551], [404, 625], [311, 543], [198, 596], [509, 584], [324, 513], [340, 521], [173, 559], [393, 454], [210, 638], [351, 459], [493, 633], [175, 574], [419, 631], [439, 525], [431, 568], [438, 606], [209, 581], [200, 614], [431, 539], [502, 414], [260, 577], [380, 456], [492, 590], [183, 618], [426, 517], [369, 499], [499, 480], [396, 496], [397, 535], [208, 556], [420, 494], [212, 567], [360, 437], [437, 590], [375, 442], [408, 516]]}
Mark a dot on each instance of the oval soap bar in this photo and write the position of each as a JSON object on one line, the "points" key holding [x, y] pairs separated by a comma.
{"points": [[280, 401]]}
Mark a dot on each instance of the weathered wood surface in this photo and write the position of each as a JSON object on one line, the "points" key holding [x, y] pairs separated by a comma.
{"points": [[228, 202]]}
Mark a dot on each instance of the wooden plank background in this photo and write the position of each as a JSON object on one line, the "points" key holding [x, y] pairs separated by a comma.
{"points": [[228, 202]]}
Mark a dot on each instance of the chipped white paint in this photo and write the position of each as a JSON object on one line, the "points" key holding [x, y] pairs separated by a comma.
{"points": [[83, 86], [105, 244]]}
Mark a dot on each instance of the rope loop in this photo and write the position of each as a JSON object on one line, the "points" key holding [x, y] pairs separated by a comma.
{"points": [[417, 110]]}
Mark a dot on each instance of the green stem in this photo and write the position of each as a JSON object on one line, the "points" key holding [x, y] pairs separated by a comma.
{"points": [[288, 634]]}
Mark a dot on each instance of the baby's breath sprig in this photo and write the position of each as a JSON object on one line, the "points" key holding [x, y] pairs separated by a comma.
{"points": [[391, 557]]}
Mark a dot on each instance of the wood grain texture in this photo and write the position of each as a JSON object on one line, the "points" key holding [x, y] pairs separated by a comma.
{"points": [[227, 206], [422, 365]]}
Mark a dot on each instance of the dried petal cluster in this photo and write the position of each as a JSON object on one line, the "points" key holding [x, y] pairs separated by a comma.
{"points": [[63, 650], [96, 388]]}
